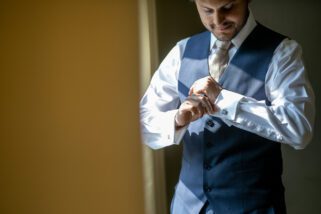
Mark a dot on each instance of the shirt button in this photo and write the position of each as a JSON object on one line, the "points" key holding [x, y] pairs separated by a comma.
{"points": [[259, 129], [224, 112], [250, 124], [269, 132], [279, 138], [210, 123]]}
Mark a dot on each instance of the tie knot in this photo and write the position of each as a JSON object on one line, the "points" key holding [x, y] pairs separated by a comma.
{"points": [[223, 44]]}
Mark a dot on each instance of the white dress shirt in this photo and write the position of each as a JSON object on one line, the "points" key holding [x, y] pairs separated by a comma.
{"points": [[288, 120]]}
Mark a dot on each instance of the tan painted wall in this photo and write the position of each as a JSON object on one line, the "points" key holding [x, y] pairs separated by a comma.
{"points": [[69, 91]]}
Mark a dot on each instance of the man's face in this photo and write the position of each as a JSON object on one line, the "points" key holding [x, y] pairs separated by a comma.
{"points": [[224, 18]]}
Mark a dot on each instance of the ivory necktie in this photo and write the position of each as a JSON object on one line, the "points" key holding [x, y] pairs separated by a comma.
{"points": [[219, 59]]}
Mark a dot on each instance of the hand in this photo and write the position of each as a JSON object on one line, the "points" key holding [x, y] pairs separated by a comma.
{"points": [[193, 108], [207, 86]]}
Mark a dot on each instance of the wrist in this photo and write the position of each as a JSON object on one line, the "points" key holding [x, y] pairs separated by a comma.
{"points": [[217, 92], [219, 89], [178, 124]]}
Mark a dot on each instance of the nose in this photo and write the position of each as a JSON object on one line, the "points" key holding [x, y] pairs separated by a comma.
{"points": [[218, 18]]}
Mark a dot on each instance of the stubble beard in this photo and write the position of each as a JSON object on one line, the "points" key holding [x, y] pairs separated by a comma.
{"points": [[226, 36]]}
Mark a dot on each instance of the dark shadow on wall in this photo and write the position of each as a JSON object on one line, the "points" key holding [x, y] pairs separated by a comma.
{"points": [[175, 20]]}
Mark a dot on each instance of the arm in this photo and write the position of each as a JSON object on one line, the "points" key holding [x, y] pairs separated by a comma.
{"points": [[162, 122], [159, 103], [290, 117]]}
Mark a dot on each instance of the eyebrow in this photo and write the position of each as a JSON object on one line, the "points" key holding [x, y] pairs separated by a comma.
{"points": [[229, 2]]}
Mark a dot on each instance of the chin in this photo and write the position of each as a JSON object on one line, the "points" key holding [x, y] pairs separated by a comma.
{"points": [[223, 37]]}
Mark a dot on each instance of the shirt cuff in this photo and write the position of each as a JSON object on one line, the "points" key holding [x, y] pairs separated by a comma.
{"points": [[227, 103], [173, 135], [179, 134]]}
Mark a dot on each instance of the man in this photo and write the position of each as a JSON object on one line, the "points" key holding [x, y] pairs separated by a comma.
{"points": [[232, 116]]}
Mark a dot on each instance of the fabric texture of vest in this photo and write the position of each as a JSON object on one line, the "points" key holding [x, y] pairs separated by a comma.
{"points": [[235, 170]]}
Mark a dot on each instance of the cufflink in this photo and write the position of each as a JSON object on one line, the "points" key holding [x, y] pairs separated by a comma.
{"points": [[224, 112]]}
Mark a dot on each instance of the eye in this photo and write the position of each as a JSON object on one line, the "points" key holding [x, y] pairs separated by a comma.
{"points": [[208, 11]]}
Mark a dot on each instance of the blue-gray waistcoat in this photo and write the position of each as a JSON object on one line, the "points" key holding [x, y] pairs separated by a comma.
{"points": [[235, 170]]}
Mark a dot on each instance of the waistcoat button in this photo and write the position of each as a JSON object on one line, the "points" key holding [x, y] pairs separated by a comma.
{"points": [[207, 166], [207, 189], [209, 144], [224, 112], [210, 123]]}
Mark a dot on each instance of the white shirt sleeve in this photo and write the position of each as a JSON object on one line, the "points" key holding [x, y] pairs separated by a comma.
{"points": [[159, 104], [290, 118]]}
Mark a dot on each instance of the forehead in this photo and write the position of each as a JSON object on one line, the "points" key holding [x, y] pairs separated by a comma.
{"points": [[217, 3]]}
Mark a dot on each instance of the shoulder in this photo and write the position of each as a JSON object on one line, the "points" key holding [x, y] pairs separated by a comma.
{"points": [[202, 35], [288, 49], [196, 45], [264, 38], [287, 63], [267, 32], [284, 45], [199, 36]]}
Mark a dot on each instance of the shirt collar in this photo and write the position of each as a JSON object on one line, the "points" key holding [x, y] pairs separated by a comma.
{"points": [[242, 35]]}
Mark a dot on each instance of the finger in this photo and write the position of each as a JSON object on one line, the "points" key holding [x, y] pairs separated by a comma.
{"points": [[192, 89], [193, 98], [199, 91], [200, 112], [196, 86], [194, 113], [207, 105], [211, 105], [196, 105], [197, 110]]}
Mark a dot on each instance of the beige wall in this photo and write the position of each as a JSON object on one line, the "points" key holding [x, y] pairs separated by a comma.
{"points": [[69, 90]]}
